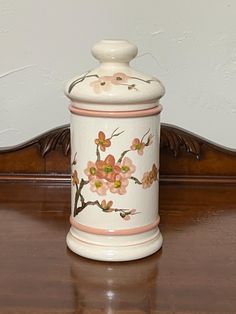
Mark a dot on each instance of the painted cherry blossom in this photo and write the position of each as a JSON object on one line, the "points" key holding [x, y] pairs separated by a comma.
{"points": [[119, 78], [109, 174], [105, 83], [107, 169], [74, 177], [146, 182], [126, 217], [107, 205], [153, 173], [133, 211], [91, 170], [99, 186], [119, 185], [149, 177], [127, 167], [102, 84], [102, 142], [138, 146]]}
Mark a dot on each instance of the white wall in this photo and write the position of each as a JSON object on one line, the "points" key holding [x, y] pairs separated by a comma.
{"points": [[192, 46]]}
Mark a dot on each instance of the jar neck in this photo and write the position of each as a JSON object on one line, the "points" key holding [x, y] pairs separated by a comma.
{"points": [[114, 65]]}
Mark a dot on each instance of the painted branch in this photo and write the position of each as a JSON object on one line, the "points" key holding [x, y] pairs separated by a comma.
{"points": [[98, 153], [145, 81], [122, 155], [113, 134], [123, 211], [76, 199], [79, 80], [145, 135], [136, 180], [79, 195]]}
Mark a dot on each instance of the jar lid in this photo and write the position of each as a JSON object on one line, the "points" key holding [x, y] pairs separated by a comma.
{"points": [[114, 81]]}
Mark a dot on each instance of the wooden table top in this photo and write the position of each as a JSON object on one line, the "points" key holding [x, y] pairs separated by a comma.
{"points": [[195, 272]]}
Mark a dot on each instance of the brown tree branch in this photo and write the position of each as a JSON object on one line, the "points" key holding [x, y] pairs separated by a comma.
{"points": [[79, 80], [123, 154], [136, 180], [98, 153]]}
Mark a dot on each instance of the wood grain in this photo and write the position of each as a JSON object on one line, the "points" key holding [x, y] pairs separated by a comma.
{"points": [[194, 273]]}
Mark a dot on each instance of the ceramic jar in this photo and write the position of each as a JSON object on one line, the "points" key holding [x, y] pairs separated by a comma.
{"points": [[115, 133]]}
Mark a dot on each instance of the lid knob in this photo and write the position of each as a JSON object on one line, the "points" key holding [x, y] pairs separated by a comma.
{"points": [[114, 51]]}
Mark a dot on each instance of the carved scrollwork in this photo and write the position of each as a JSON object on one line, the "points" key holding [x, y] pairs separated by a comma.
{"points": [[54, 140], [177, 140]]}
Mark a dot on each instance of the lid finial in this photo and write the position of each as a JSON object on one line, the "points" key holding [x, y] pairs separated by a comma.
{"points": [[114, 51]]}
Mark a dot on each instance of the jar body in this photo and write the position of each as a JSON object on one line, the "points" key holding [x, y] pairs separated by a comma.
{"points": [[115, 181]]}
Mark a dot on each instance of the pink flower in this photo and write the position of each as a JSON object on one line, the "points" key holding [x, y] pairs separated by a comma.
{"points": [[119, 185], [98, 186], [153, 174], [91, 170], [146, 180], [102, 141], [133, 211], [107, 206], [127, 167], [150, 176], [126, 217], [119, 78], [107, 169], [126, 214], [103, 84], [137, 145]]}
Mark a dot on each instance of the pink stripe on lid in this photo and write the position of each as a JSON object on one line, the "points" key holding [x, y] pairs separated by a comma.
{"points": [[110, 232], [116, 114]]}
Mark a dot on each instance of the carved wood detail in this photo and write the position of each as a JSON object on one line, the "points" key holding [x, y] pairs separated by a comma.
{"points": [[175, 139], [57, 139]]}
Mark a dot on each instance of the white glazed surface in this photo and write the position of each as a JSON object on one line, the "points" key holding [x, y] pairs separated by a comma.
{"points": [[84, 131], [113, 253], [114, 57]]}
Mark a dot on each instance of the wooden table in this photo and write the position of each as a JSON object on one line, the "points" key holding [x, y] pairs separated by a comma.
{"points": [[195, 272]]}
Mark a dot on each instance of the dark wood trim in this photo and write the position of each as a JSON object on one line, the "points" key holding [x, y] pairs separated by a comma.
{"points": [[185, 157], [53, 178], [175, 179], [65, 179]]}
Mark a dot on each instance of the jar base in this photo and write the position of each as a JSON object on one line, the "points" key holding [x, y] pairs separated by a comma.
{"points": [[115, 253]]}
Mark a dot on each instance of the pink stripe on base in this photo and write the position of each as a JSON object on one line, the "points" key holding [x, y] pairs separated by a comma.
{"points": [[116, 114], [110, 232]]}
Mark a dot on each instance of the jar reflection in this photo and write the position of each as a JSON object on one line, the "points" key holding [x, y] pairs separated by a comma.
{"points": [[102, 287]]}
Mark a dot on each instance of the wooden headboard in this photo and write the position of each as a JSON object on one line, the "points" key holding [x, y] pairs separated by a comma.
{"points": [[185, 157]]}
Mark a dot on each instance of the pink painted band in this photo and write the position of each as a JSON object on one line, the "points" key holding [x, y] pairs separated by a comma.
{"points": [[110, 232], [104, 245], [116, 114]]}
